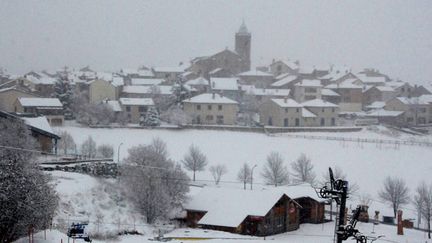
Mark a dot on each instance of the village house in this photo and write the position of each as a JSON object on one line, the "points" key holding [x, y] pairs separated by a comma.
{"points": [[135, 108], [42, 85], [336, 77], [326, 113], [51, 108], [351, 95], [146, 81], [100, 90], [394, 118], [281, 113], [416, 110], [403, 89], [307, 89], [40, 130], [211, 109], [266, 212], [257, 78], [8, 96], [283, 66], [169, 74], [229, 87], [377, 93], [261, 94], [372, 81], [226, 63], [141, 91], [135, 73], [200, 84], [330, 96]]}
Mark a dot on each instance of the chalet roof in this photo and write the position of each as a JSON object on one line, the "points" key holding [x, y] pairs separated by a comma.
{"points": [[229, 207], [385, 89], [252, 90], [40, 102], [413, 100], [42, 80], [371, 80], [396, 84], [36, 126], [208, 98], [286, 103], [292, 65], [286, 80], [115, 105], [136, 101], [224, 83], [146, 81], [40, 122], [318, 103], [344, 85]]}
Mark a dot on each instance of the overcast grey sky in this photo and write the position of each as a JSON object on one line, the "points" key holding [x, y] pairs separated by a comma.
{"points": [[394, 36]]}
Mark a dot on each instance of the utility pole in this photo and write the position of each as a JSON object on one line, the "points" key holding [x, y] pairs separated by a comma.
{"points": [[118, 153]]}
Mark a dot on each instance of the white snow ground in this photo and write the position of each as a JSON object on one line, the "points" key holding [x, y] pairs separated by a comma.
{"points": [[365, 164]]}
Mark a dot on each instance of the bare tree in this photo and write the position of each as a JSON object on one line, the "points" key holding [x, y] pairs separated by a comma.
{"points": [[88, 148], [153, 182], [66, 143], [105, 150], [275, 172], [217, 172], [244, 175], [27, 197], [303, 170], [424, 197], [395, 192], [194, 160], [175, 115]]}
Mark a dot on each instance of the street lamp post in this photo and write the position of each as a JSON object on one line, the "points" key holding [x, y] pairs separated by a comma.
{"points": [[252, 175], [118, 153]]}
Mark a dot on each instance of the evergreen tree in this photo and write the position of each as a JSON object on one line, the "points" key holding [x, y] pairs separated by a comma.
{"points": [[152, 118], [63, 91]]}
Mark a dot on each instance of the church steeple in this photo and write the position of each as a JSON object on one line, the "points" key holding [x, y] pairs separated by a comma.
{"points": [[243, 46]]}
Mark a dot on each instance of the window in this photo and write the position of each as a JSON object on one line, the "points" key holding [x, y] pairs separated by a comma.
{"points": [[322, 110], [285, 122], [220, 107], [279, 68], [219, 119], [142, 109], [333, 110], [423, 110], [209, 118], [198, 120], [270, 121], [298, 110], [286, 110], [297, 122], [403, 89], [209, 107], [333, 121], [322, 123], [198, 107], [128, 109]]}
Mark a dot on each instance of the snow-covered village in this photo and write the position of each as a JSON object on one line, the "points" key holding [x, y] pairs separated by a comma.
{"points": [[215, 121]]}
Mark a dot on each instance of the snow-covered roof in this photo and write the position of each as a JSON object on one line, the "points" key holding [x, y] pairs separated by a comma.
{"points": [[117, 81], [385, 88], [40, 122], [309, 83], [328, 92], [136, 101], [287, 103], [214, 71], [229, 207], [376, 105], [168, 69], [283, 75], [268, 92], [42, 80], [306, 70], [146, 81], [40, 102], [344, 85], [141, 89], [413, 100], [198, 81], [306, 113], [426, 98], [256, 73], [115, 105], [371, 80], [287, 79], [224, 83], [384, 113], [208, 98], [396, 84], [142, 73], [318, 103]]}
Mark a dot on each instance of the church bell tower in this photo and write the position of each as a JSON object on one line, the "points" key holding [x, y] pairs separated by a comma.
{"points": [[243, 46]]}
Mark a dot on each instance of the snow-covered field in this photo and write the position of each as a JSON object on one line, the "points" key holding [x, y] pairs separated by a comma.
{"points": [[365, 164]]}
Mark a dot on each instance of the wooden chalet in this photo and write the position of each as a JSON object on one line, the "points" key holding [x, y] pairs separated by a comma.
{"points": [[260, 212]]}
